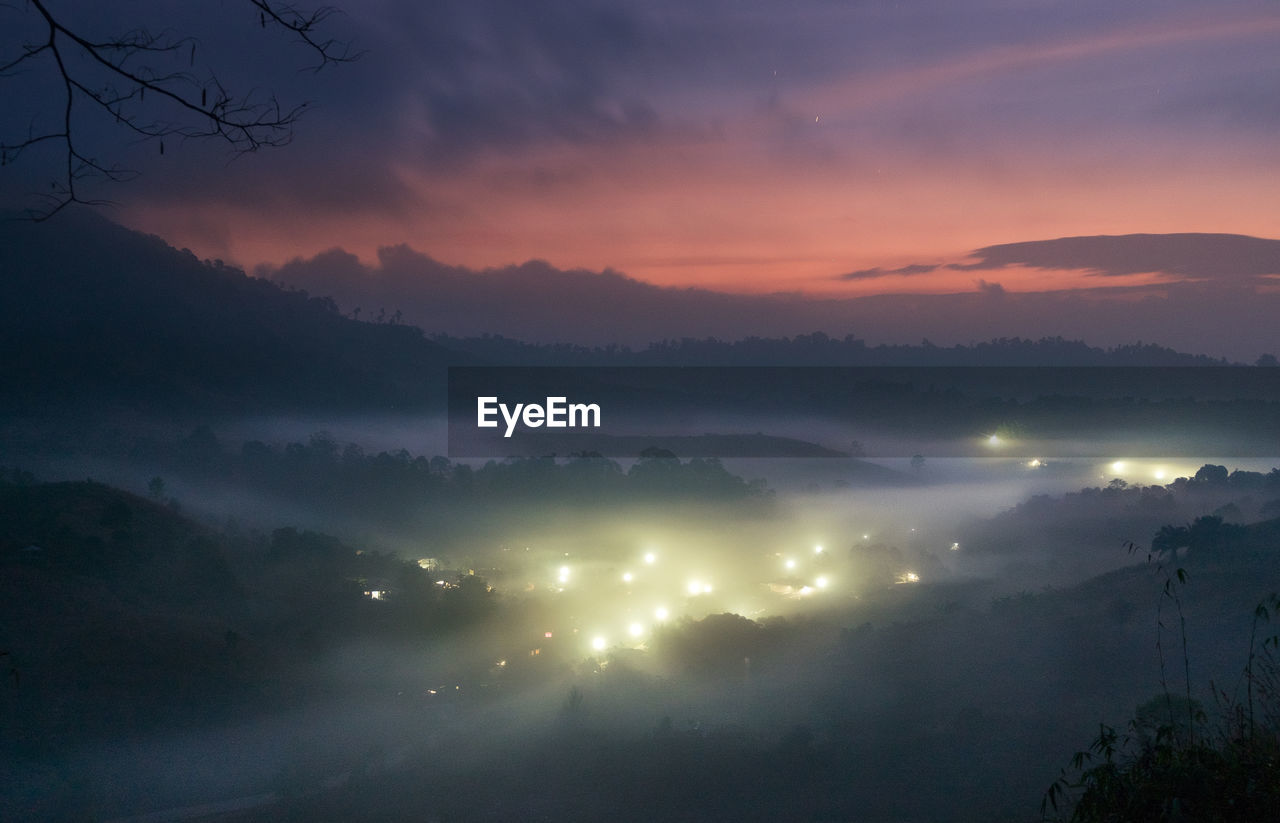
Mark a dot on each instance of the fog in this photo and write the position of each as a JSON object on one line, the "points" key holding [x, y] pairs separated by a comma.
{"points": [[888, 639]]}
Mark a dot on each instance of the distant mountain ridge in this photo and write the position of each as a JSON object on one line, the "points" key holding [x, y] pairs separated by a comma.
{"points": [[1210, 293], [819, 349], [96, 316]]}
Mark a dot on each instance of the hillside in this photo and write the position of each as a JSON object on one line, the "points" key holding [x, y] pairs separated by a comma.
{"points": [[94, 315]]}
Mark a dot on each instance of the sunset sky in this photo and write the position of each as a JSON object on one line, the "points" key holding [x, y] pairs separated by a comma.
{"points": [[745, 146]]}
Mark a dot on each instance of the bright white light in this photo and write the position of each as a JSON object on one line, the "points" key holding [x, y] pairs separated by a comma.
{"points": [[866, 537], [635, 630], [661, 613], [627, 577], [1118, 466], [650, 558], [817, 550], [1034, 464], [791, 564], [694, 587], [955, 547], [912, 577], [706, 589], [821, 582], [805, 590], [993, 440], [1159, 474], [564, 574], [599, 643]]}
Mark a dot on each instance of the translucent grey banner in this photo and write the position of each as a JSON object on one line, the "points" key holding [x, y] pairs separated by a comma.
{"points": [[1026, 412]]}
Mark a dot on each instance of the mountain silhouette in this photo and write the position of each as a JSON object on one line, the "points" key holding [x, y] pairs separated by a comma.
{"points": [[93, 314]]}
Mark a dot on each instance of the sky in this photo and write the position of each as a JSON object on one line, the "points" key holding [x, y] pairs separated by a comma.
{"points": [[828, 149]]}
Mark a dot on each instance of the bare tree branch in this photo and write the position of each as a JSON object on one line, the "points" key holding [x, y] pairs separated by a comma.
{"points": [[114, 76]]}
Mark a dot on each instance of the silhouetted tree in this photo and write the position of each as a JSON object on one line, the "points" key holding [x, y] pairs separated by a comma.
{"points": [[1211, 475], [1169, 539]]}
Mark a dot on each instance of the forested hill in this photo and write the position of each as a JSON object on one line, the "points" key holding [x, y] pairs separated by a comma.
{"points": [[94, 315]]}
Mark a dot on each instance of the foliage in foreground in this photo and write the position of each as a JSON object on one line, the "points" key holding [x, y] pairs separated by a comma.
{"points": [[1168, 766]]}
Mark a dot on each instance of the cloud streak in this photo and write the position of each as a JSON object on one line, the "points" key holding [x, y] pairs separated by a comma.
{"points": [[901, 271]]}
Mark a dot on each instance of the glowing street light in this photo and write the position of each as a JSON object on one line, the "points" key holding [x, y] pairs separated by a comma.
{"points": [[635, 630], [599, 643], [661, 613], [650, 558], [821, 582], [627, 577]]}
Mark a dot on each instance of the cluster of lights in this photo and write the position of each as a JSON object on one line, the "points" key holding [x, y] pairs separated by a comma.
{"points": [[1119, 467], [633, 631]]}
